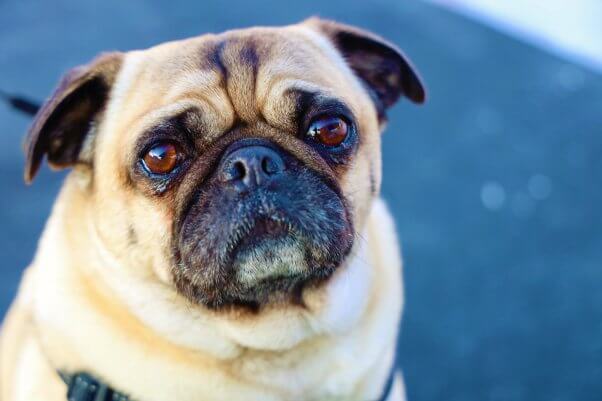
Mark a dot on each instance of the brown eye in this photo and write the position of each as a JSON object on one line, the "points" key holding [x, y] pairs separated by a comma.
{"points": [[162, 158], [330, 131]]}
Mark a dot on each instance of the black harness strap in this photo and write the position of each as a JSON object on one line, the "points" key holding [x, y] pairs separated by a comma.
{"points": [[84, 387], [388, 386], [20, 103]]}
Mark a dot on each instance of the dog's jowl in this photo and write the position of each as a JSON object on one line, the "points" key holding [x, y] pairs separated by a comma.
{"points": [[220, 235]]}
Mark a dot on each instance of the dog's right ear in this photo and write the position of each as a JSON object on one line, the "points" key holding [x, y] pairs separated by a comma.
{"points": [[61, 125], [386, 71]]}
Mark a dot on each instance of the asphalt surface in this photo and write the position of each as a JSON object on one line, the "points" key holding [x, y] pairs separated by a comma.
{"points": [[495, 183]]}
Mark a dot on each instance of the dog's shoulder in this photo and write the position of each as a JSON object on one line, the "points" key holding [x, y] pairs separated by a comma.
{"points": [[21, 359]]}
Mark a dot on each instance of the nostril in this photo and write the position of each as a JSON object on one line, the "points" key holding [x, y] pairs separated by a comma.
{"points": [[270, 166], [239, 170], [265, 165]]}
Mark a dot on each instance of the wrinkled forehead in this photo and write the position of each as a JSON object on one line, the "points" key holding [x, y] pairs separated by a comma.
{"points": [[257, 74]]}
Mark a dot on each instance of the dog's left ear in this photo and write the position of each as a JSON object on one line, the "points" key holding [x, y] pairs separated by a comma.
{"points": [[380, 64], [61, 125]]}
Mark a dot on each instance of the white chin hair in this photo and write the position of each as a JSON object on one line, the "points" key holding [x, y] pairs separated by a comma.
{"points": [[271, 258]]}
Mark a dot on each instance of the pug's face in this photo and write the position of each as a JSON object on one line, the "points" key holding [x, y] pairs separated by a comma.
{"points": [[238, 167]]}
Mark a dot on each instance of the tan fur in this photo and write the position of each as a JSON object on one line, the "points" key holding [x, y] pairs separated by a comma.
{"points": [[92, 301]]}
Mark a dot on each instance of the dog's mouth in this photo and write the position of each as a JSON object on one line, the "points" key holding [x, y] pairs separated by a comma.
{"points": [[260, 232], [265, 247], [269, 252]]}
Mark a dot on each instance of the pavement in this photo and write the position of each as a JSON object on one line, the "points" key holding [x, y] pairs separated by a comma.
{"points": [[494, 183]]}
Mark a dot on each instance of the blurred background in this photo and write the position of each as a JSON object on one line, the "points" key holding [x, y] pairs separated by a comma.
{"points": [[495, 183]]}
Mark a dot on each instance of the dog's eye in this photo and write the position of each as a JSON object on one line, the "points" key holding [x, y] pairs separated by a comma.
{"points": [[162, 158], [329, 131]]}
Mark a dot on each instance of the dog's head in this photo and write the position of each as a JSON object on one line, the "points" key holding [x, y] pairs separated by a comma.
{"points": [[238, 167]]}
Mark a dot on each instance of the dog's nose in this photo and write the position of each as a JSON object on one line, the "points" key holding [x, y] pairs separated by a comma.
{"points": [[250, 167]]}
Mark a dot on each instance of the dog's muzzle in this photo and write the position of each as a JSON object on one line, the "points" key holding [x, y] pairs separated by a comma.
{"points": [[261, 226]]}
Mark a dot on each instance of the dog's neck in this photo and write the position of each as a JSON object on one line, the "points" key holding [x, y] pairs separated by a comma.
{"points": [[178, 349]]}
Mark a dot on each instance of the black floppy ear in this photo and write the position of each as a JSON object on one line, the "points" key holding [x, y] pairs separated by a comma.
{"points": [[380, 64], [62, 123]]}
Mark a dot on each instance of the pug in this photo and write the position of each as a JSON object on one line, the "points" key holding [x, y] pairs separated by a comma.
{"points": [[220, 235]]}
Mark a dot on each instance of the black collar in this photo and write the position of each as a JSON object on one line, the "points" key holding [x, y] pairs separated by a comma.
{"points": [[85, 387]]}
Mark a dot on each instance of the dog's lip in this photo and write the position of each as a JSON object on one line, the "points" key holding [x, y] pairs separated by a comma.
{"points": [[262, 229], [268, 227]]}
